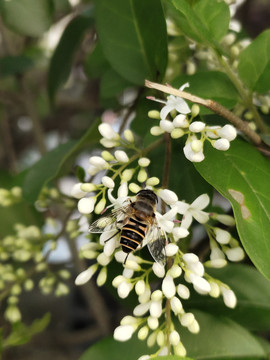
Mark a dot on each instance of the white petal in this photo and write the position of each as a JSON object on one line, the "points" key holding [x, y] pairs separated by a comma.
{"points": [[182, 207], [180, 233], [201, 202], [187, 220], [165, 111], [201, 216], [168, 196]]}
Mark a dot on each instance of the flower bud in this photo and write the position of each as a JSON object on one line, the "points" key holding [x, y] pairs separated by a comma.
{"points": [[180, 350], [143, 332], [141, 309], [222, 236], [86, 275], [154, 114], [187, 319], [152, 322], [128, 135], [175, 271], [102, 277], [171, 249], [127, 175], [194, 327], [123, 332], [168, 287], [98, 162], [176, 305], [179, 233], [156, 131], [140, 287], [103, 259], [121, 156], [88, 187], [221, 144], [106, 155], [153, 181], [156, 295], [158, 270], [174, 338], [196, 145], [227, 132], [183, 291], [155, 309], [197, 126], [76, 191], [166, 125], [142, 176], [134, 188], [100, 206], [225, 219], [144, 162], [180, 121], [86, 205], [107, 132], [195, 110], [229, 297], [177, 133], [235, 254], [215, 290], [108, 182], [124, 289]]}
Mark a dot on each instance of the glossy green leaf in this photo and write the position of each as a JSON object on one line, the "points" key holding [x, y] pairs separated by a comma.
{"points": [[61, 61], [21, 333], [51, 165], [27, 17], [205, 21], [135, 44], [254, 64], [212, 85], [96, 63], [242, 175], [253, 297], [220, 338]]}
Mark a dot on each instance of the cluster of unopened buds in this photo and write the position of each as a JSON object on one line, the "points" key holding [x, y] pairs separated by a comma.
{"points": [[197, 131], [185, 269]]}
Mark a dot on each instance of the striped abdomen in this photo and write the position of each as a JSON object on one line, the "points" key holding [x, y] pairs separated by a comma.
{"points": [[132, 234]]}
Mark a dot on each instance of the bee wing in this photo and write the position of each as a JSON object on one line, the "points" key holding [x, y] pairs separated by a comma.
{"points": [[156, 241], [113, 220]]}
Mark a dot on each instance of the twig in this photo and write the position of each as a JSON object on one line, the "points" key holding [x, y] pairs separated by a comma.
{"points": [[212, 105]]}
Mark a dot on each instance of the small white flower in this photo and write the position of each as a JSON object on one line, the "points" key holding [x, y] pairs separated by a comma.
{"points": [[229, 297], [179, 233], [168, 287], [197, 126], [227, 132], [190, 154], [180, 121], [122, 196], [194, 210], [123, 332], [175, 103], [165, 220], [121, 156], [221, 144], [108, 182], [86, 205]]}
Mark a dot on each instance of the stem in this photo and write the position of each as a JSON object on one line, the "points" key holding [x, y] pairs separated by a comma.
{"points": [[212, 105], [247, 98]]}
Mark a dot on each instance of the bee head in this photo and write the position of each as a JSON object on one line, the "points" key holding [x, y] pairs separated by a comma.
{"points": [[148, 194]]}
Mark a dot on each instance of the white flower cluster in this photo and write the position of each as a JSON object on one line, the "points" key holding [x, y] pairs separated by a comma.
{"points": [[197, 131]]}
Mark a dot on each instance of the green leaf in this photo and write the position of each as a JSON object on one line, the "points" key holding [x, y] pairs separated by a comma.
{"points": [[254, 64], [13, 65], [253, 297], [212, 85], [62, 58], [205, 21], [96, 63], [51, 165], [21, 333], [220, 338], [242, 175], [27, 17], [136, 47], [112, 84]]}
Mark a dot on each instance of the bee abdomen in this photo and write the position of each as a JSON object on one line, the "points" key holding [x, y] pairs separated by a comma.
{"points": [[132, 235]]}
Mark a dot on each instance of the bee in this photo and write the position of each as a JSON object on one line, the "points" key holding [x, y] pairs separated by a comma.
{"points": [[136, 222]]}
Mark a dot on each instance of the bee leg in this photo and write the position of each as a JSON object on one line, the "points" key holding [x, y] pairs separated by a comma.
{"points": [[117, 232], [125, 259]]}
